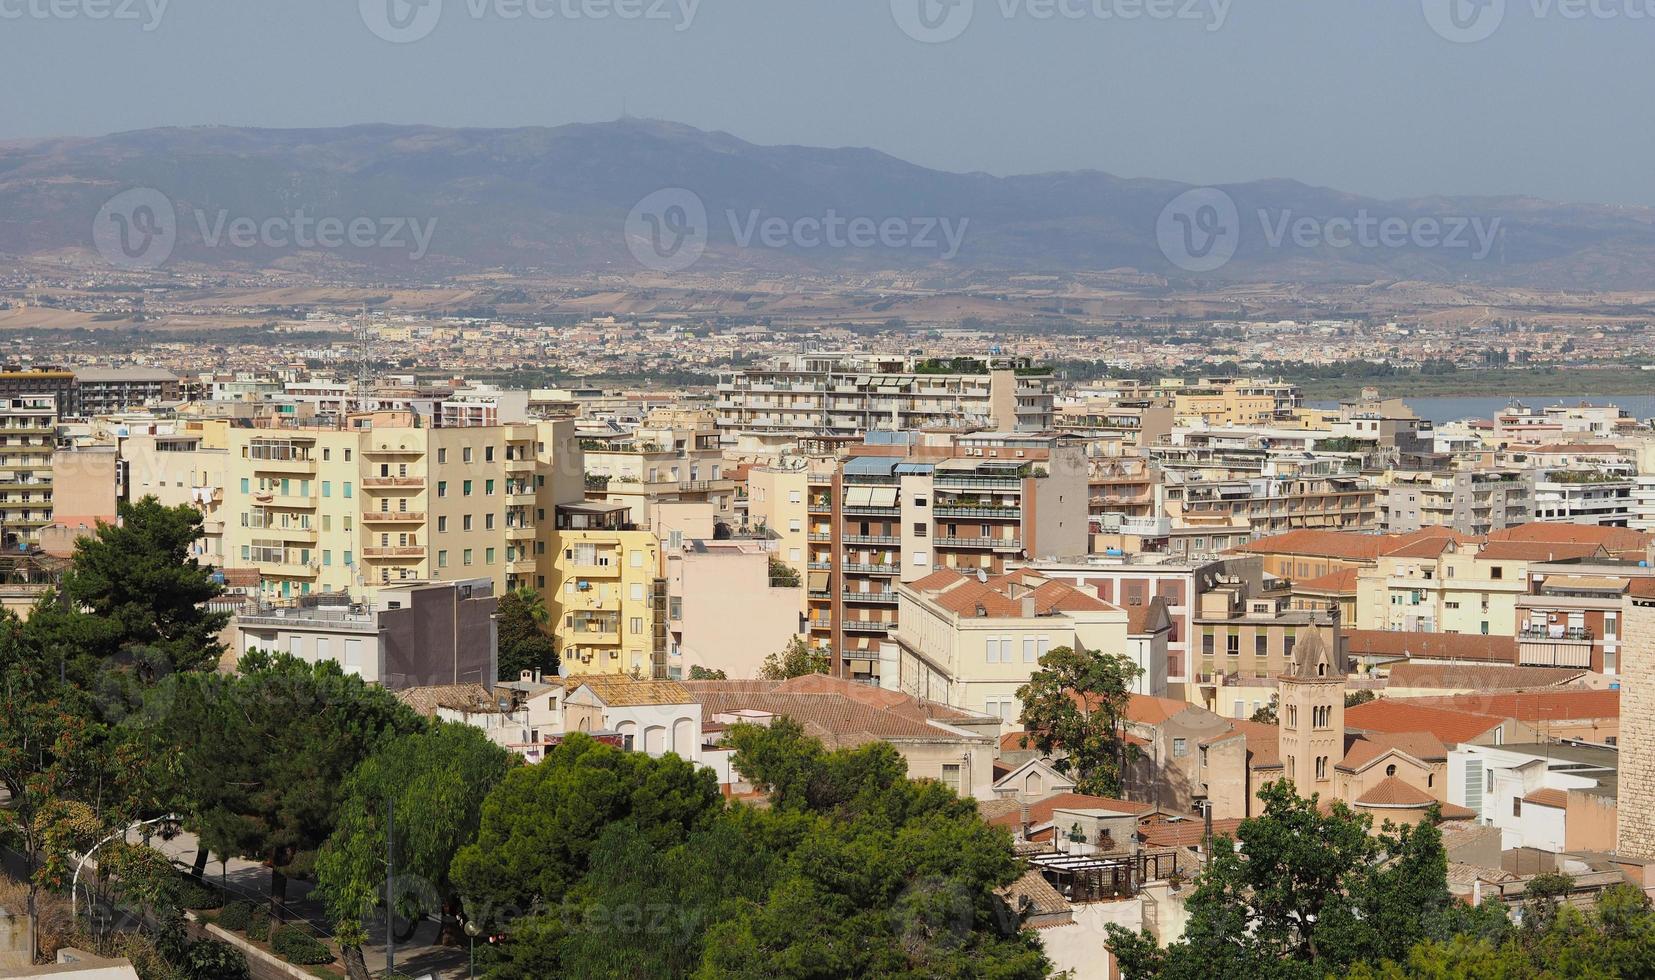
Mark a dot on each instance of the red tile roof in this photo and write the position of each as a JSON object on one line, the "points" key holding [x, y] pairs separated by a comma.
{"points": [[1041, 811], [1148, 710], [1342, 582], [1322, 544], [1478, 677], [1393, 792], [1363, 751], [1003, 596], [1548, 797], [1431, 646], [1391, 715], [1532, 706], [1185, 833], [1540, 550], [1619, 541]]}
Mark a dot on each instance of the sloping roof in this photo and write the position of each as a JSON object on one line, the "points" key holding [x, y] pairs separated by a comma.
{"points": [[1548, 797], [1149, 618], [842, 713], [1539, 550], [1618, 541], [1322, 544], [1341, 582], [1041, 811], [621, 690], [1401, 715], [454, 697], [1263, 743], [1431, 646], [1002, 597], [1363, 752], [1478, 677], [1185, 833], [1033, 895], [1533, 706], [1393, 792], [1149, 710]]}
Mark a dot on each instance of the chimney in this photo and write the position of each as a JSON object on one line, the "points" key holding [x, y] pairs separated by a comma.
{"points": [[1028, 607], [1023, 821]]}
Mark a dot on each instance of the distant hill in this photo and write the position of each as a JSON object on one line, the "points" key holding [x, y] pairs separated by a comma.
{"points": [[557, 200]]}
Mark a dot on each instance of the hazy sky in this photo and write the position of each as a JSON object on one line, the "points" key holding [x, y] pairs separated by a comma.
{"points": [[1362, 95]]}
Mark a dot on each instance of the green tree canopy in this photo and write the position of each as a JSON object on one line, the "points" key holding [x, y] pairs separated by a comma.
{"points": [[437, 781], [797, 659], [1074, 709], [524, 643]]}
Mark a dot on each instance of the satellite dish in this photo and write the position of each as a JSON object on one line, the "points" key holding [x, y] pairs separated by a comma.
{"points": [[982, 576]]}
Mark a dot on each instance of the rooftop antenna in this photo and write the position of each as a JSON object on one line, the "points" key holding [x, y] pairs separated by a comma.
{"points": [[362, 370]]}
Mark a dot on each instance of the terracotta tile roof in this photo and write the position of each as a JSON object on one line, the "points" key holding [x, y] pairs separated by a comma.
{"points": [[1616, 540], [1401, 715], [1363, 752], [1642, 588], [1548, 797], [1148, 710], [1342, 582], [1478, 677], [455, 697], [1539, 550], [1428, 548], [842, 713], [1393, 792], [621, 690], [1041, 811], [1013, 742], [995, 808], [1263, 743], [1033, 895], [1186, 833], [1431, 646], [1002, 597], [1322, 544], [1533, 706]]}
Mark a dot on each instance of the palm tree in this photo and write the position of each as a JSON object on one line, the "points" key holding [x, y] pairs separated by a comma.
{"points": [[534, 604]]}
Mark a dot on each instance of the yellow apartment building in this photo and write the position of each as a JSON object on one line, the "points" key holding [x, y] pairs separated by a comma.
{"points": [[608, 592], [28, 438], [1443, 585]]}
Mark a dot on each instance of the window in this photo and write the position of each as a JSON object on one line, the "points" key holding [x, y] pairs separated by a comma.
{"points": [[442, 524], [465, 454], [465, 522], [1517, 806], [442, 559], [466, 557], [488, 488], [1261, 645], [488, 556], [920, 529], [793, 497], [1180, 747], [920, 502], [1028, 649], [637, 592], [1390, 770], [1497, 572], [922, 558], [951, 776], [348, 559], [465, 488], [442, 456], [636, 559], [1232, 645], [347, 489], [327, 488], [488, 521], [637, 624], [1207, 644], [327, 558], [442, 488], [244, 484], [488, 454], [1321, 767]]}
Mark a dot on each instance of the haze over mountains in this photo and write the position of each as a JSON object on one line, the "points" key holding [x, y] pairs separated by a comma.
{"points": [[556, 200]]}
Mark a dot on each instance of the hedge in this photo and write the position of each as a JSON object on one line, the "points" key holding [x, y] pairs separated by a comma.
{"points": [[236, 915], [258, 923], [295, 945], [198, 897]]}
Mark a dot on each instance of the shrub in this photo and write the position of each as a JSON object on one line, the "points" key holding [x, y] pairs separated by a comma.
{"points": [[209, 959], [197, 896], [295, 945], [236, 915], [258, 923]]}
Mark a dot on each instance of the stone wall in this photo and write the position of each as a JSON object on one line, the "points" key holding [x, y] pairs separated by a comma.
{"points": [[1635, 813]]}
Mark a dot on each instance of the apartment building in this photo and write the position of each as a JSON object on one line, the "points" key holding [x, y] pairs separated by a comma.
{"points": [[1468, 501], [1586, 496], [1117, 428], [1214, 401], [385, 501], [971, 641], [851, 393], [1247, 636], [99, 391], [1133, 582], [1571, 613], [1442, 584], [896, 511], [28, 439], [673, 456], [608, 592], [187, 467]]}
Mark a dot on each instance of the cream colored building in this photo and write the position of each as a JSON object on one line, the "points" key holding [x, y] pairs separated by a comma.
{"points": [[673, 456], [1442, 585], [28, 437], [971, 642]]}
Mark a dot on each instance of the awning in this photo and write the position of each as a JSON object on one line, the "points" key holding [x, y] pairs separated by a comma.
{"points": [[883, 497], [818, 581], [858, 496], [861, 666]]}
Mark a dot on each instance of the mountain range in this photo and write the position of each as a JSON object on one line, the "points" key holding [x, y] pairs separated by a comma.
{"points": [[566, 200]]}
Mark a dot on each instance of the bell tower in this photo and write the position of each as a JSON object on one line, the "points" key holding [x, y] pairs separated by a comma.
{"points": [[1310, 714]]}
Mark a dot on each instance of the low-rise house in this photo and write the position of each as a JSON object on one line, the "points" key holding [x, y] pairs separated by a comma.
{"points": [[1548, 796]]}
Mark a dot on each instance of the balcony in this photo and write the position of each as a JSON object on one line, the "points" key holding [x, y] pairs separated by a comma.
{"points": [[995, 513], [821, 566], [871, 569], [522, 498], [860, 510], [884, 540], [993, 544], [520, 566], [819, 624], [866, 626], [1556, 646], [393, 517], [291, 467], [818, 537], [400, 551], [300, 535], [394, 483], [609, 569], [874, 598], [520, 533], [520, 466]]}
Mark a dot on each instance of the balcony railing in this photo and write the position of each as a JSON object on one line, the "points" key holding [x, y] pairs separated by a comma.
{"points": [[878, 598], [887, 540], [996, 544]]}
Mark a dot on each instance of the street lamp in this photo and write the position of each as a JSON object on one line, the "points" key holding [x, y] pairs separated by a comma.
{"points": [[472, 931], [74, 895]]}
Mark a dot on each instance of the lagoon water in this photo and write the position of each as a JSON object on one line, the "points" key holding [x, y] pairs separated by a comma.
{"points": [[1442, 410]]}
